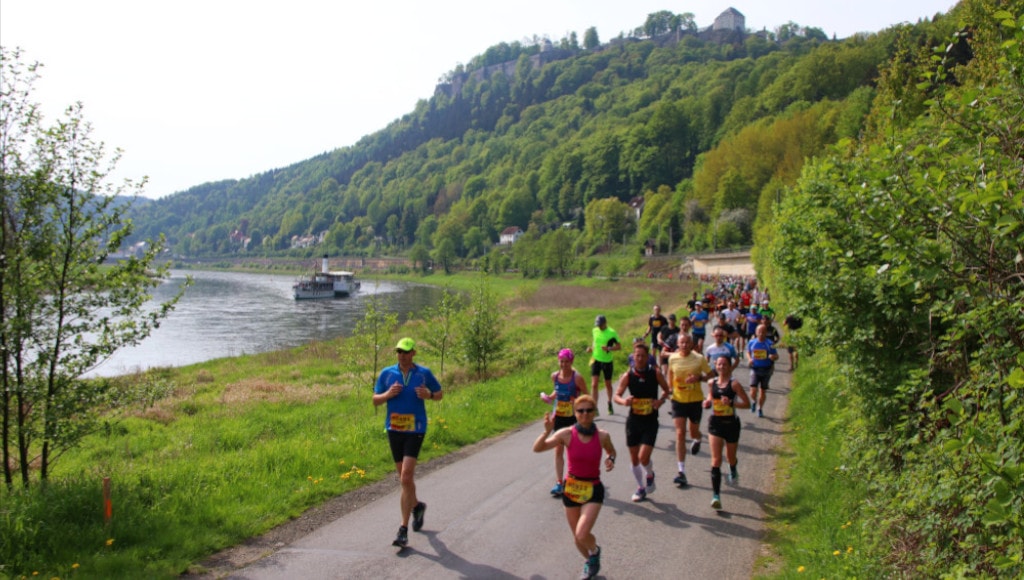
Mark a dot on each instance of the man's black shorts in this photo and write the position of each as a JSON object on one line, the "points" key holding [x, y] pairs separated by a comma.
{"points": [[598, 367], [692, 411], [641, 430], [405, 445]]}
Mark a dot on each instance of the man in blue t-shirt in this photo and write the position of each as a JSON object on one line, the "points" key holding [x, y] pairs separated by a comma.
{"points": [[404, 387], [762, 355], [720, 348]]}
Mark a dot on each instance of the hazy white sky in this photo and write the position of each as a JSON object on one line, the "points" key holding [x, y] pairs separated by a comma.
{"points": [[203, 90]]}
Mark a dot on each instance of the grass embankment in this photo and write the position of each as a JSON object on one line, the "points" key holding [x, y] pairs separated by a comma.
{"points": [[814, 531], [244, 444]]}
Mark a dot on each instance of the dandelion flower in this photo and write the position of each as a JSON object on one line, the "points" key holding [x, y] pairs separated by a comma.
{"points": [[836, 553], [110, 541], [800, 569], [74, 566], [849, 549]]}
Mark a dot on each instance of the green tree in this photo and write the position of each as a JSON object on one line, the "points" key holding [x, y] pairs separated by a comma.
{"points": [[62, 311], [443, 319], [445, 255], [481, 337], [559, 254], [920, 228], [371, 338], [608, 220], [590, 39]]}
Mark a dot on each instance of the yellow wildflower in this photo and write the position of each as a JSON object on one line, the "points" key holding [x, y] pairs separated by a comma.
{"points": [[800, 569], [836, 553], [110, 541]]}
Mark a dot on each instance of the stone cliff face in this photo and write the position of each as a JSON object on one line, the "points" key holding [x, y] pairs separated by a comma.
{"points": [[508, 69]]}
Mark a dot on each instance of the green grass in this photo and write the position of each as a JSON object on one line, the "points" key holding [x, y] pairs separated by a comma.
{"points": [[244, 444], [814, 529]]}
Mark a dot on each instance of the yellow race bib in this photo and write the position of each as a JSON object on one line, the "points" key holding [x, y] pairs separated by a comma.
{"points": [[721, 409], [577, 490], [563, 409], [403, 422], [643, 406]]}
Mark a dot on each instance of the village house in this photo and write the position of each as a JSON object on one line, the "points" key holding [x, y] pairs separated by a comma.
{"points": [[509, 235]]}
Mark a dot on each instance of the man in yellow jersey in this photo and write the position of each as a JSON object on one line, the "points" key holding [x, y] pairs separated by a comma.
{"points": [[687, 370], [606, 341]]}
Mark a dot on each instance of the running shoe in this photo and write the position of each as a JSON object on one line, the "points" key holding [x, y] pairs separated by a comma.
{"points": [[402, 539], [753, 407], [716, 502], [760, 413], [650, 484], [558, 489], [733, 477], [640, 495], [592, 566], [695, 447], [680, 480], [611, 411], [417, 516]]}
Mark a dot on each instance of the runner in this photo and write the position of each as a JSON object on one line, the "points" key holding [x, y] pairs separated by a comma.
{"points": [[686, 370], [762, 356], [667, 340], [654, 325], [642, 423], [725, 395], [584, 492], [404, 387], [792, 323], [569, 384], [721, 348], [606, 340], [700, 319]]}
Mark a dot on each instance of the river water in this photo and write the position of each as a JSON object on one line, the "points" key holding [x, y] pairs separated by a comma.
{"points": [[229, 314]]}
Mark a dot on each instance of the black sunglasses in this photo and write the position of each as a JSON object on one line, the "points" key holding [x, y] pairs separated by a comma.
{"points": [[400, 351], [587, 410]]}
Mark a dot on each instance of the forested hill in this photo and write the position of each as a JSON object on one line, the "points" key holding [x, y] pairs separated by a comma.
{"points": [[700, 127]]}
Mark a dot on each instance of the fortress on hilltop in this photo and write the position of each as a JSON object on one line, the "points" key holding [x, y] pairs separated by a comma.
{"points": [[729, 26]]}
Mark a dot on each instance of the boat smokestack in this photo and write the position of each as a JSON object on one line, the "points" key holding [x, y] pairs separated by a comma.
{"points": [[324, 267]]}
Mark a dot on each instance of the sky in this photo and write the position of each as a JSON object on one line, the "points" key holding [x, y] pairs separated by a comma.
{"points": [[195, 91]]}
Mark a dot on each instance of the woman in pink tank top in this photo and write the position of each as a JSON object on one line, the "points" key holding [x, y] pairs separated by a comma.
{"points": [[583, 494]]}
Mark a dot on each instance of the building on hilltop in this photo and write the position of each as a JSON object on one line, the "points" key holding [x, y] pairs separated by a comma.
{"points": [[731, 19]]}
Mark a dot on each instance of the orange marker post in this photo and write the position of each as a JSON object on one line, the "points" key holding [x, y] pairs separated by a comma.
{"points": [[108, 509]]}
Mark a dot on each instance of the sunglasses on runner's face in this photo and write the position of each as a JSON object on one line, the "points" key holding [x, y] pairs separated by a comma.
{"points": [[400, 351], [586, 410]]}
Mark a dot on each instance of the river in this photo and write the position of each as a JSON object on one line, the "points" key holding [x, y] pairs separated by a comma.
{"points": [[230, 314]]}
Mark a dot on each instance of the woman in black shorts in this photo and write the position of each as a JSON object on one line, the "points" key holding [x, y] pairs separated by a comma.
{"points": [[583, 495], [725, 395]]}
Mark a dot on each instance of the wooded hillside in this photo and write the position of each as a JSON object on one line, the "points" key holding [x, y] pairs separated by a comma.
{"points": [[701, 129]]}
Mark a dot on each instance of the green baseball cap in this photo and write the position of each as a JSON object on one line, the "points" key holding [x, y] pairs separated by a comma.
{"points": [[406, 344]]}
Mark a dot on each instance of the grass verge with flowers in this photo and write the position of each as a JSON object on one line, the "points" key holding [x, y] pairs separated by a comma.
{"points": [[814, 530], [246, 443]]}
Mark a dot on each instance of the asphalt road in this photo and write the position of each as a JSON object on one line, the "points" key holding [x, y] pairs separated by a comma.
{"points": [[490, 515]]}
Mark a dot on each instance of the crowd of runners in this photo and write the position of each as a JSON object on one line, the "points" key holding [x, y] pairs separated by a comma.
{"points": [[731, 323], [668, 366]]}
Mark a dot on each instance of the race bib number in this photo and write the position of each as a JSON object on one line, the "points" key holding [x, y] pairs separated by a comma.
{"points": [[563, 409], [698, 324], [578, 491], [722, 409], [760, 354], [403, 422], [643, 406]]}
